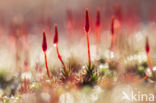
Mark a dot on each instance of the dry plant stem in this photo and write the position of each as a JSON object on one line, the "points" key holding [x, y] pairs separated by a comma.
{"points": [[89, 58], [45, 56], [64, 66]]}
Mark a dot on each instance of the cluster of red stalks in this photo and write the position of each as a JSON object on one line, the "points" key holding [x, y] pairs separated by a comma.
{"points": [[44, 48], [97, 39]]}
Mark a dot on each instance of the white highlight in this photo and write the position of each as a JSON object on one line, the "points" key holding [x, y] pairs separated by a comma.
{"points": [[66, 98]]}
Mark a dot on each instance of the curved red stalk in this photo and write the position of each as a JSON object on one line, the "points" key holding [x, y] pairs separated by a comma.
{"points": [[87, 36], [45, 56], [44, 48], [60, 58], [147, 48], [56, 45]]}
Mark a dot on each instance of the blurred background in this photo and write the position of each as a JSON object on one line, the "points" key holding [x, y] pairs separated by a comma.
{"points": [[22, 22], [47, 12]]}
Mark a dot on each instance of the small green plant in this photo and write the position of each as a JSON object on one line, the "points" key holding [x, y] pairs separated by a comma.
{"points": [[140, 71], [144, 64], [91, 76]]}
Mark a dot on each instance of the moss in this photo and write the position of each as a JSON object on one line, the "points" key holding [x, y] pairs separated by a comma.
{"points": [[102, 61], [103, 71], [140, 71], [113, 65], [74, 64], [35, 86], [66, 73], [91, 77], [144, 64], [3, 74], [5, 100]]}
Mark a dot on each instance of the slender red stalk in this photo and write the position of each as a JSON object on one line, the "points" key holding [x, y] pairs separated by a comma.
{"points": [[56, 45], [97, 30], [89, 57], [147, 48], [87, 36], [112, 32], [44, 48], [45, 56], [60, 58], [97, 26]]}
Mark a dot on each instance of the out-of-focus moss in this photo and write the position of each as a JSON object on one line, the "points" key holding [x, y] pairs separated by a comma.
{"points": [[5, 99], [87, 89], [102, 60], [91, 77], [140, 71], [103, 71], [35, 85], [144, 64], [3, 75]]}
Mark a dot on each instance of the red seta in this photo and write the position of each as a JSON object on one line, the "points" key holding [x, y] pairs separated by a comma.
{"points": [[97, 24], [112, 25], [112, 32], [56, 45], [87, 27], [98, 18], [44, 48]]}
